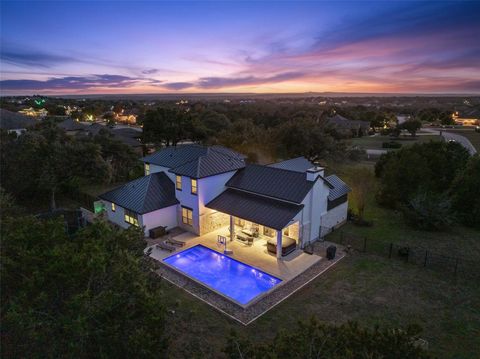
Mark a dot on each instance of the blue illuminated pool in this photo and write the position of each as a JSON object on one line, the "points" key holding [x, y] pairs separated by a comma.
{"points": [[226, 275]]}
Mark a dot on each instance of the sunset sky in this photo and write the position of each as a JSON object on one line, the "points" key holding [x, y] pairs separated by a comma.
{"points": [[149, 47]]}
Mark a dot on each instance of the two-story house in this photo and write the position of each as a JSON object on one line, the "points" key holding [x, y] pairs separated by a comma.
{"points": [[202, 189]]}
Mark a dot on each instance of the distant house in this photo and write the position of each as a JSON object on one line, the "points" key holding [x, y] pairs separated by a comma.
{"points": [[34, 112], [467, 118], [127, 136], [203, 189], [72, 127], [15, 122], [341, 123]]}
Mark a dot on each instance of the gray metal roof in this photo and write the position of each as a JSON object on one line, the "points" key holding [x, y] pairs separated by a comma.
{"points": [[339, 189], [197, 161], [340, 121], [145, 194], [273, 182], [258, 209], [299, 164], [12, 120]]}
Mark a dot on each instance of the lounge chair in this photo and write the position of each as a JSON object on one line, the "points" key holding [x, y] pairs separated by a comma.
{"points": [[165, 246], [174, 242]]}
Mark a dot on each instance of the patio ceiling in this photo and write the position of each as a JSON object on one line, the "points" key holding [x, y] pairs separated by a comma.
{"points": [[266, 211]]}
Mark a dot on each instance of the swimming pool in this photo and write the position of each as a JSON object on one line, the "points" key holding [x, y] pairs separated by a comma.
{"points": [[234, 279]]}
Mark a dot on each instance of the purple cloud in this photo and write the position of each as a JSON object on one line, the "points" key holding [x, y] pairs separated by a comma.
{"points": [[178, 85], [75, 82], [149, 71], [33, 58], [219, 82]]}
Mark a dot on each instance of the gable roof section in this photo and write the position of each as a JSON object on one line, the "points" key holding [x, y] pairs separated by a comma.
{"points": [[340, 121], [299, 164], [197, 161], [262, 210], [339, 189], [12, 120], [72, 125], [145, 194], [272, 182]]}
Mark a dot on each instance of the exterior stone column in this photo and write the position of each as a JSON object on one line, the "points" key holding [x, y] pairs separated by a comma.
{"points": [[279, 244]]}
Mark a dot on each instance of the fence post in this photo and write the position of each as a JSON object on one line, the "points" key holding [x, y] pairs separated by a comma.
{"points": [[390, 251], [341, 237], [456, 266], [426, 257], [408, 253], [364, 244]]}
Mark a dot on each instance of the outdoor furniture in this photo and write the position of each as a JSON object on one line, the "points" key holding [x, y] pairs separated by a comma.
{"points": [[288, 245], [245, 239], [167, 247], [331, 250], [157, 232], [175, 242]]}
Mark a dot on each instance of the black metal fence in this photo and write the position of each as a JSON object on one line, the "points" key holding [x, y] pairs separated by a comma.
{"points": [[423, 257]]}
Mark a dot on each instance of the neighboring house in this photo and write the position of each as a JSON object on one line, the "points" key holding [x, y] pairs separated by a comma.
{"points": [[341, 123], [15, 122], [470, 118], [34, 112], [127, 136], [72, 127], [202, 189]]}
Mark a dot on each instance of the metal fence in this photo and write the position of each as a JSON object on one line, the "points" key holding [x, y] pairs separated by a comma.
{"points": [[416, 255]]}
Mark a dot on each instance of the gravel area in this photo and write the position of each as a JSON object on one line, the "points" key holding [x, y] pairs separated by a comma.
{"points": [[260, 306]]}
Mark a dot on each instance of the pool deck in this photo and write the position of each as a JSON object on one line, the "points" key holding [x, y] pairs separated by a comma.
{"points": [[255, 255], [296, 270]]}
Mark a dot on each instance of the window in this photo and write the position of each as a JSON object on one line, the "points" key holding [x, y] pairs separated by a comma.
{"points": [[147, 169], [268, 232], [239, 222], [113, 207], [194, 186], [178, 182], [187, 216], [131, 217]]}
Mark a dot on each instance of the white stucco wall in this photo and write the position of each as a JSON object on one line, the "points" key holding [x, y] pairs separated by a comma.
{"points": [[117, 217], [334, 218], [315, 205], [156, 168], [162, 217]]}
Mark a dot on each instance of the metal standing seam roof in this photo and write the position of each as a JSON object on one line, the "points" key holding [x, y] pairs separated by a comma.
{"points": [[299, 164], [197, 161], [269, 212], [272, 182], [339, 189], [145, 194]]}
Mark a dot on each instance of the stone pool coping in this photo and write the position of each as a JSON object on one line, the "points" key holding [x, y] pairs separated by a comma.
{"points": [[248, 314]]}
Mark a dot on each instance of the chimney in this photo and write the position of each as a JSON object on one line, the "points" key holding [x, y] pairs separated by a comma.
{"points": [[314, 172]]}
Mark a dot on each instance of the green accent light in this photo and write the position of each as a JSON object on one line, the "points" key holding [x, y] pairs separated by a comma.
{"points": [[99, 207]]}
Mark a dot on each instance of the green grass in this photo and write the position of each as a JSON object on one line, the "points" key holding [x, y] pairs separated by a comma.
{"points": [[372, 290], [473, 137], [375, 142]]}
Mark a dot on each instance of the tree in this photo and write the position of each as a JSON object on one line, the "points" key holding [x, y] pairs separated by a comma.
{"points": [[429, 211], [166, 126], [90, 295], [46, 160], [362, 184], [412, 126], [431, 165], [465, 193], [313, 339]]}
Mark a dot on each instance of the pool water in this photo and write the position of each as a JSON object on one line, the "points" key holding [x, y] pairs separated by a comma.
{"points": [[232, 278]]}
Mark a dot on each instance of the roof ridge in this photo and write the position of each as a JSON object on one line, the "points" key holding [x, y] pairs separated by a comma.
{"points": [[275, 168], [222, 153]]}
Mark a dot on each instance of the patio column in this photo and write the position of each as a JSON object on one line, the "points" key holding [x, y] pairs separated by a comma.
{"points": [[232, 229], [279, 244]]}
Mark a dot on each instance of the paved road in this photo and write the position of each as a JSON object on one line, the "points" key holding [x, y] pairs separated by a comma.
{"points": [[448, 136]]}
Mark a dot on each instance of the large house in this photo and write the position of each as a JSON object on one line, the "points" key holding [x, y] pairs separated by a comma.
{"points": [[203, 189]]}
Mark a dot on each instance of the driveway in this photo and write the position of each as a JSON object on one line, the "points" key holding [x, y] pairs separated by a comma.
{"points": [[448, 136]]}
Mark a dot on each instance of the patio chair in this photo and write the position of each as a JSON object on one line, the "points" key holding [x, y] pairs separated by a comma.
{"points": [[175, 242], [167, 247]]}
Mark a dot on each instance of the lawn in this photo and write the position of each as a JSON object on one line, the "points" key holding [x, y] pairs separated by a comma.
{"points": [[375, 142], [363, 287], [473, 137]]}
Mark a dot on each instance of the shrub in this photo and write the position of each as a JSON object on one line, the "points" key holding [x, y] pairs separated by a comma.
{"points": [[429, 211]]}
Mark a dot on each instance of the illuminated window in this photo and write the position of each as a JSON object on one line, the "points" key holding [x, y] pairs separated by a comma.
{"points": [[178, 182], [147, 169], [194, 186], [131, 217], [187, 216], [113, 207], [268, 232], [239, 222], [286, 231]]}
